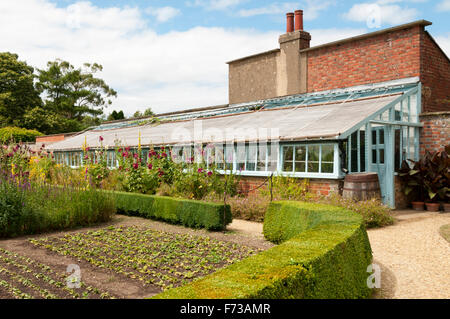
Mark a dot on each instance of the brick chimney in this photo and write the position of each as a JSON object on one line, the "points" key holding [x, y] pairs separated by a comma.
{"points": [[294, 40]]}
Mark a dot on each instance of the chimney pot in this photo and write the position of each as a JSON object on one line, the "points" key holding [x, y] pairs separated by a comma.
{"points": [[289, 22], [298, 20]]}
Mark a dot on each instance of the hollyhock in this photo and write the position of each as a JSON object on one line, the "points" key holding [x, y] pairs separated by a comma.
{"points": [[100, 138], [135, 165], [209, 173], [150, 166]]}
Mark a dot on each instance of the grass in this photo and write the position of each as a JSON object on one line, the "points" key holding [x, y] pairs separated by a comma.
{"points": [[445, 232], [161, 259], [24, 278]]}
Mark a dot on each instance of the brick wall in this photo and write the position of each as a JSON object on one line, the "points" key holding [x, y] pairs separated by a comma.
{"points": [[435, 76], [383, 57], [325, 187], [435, 134], [50, 138]]}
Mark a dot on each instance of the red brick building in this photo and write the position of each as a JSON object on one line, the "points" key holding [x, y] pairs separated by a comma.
{"points": [[362, 104]]}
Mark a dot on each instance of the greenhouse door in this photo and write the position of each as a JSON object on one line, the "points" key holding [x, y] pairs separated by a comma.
{"points": [[382, 161]]}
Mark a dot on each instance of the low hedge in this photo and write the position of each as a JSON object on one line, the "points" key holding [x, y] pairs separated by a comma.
{"points": [[190, 213], [17, 134], [324, 253]]}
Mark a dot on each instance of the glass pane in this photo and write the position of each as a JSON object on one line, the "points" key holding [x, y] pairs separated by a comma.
{"points": [[411, 143], [413, 109], [374, 156], [327, 158], [240, 156], [288, 155], [300, 153], [219, 157], [374, 137], [313, 158], [398, 112], [251, 157], [385, 116], [381, 151], [327, 167], [229, 157], [362, 150], [262, 149], [272, 155], [287, 166], [328, 153], [354, 152], [300, 158], [381, 136], [405, 117], [397, 150]]}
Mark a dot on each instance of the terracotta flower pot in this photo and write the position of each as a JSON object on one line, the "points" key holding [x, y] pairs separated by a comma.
{"points": [[432, 207], [418, 205]]}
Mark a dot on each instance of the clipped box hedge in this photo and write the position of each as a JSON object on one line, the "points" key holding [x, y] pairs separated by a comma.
{"points": [[190, 213], [324, 252]]}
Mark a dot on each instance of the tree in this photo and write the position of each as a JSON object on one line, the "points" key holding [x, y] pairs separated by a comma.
{"points": [[114, 116], [17, 90], [147, 113], [48, 122], [74, 93]]}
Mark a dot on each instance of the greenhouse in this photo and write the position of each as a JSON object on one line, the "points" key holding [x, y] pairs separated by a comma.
{"points": [[370, 128]]}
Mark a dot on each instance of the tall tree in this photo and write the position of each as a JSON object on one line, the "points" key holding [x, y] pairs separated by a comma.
{"points": [[17, 90], [114, 116], [74, 93]]}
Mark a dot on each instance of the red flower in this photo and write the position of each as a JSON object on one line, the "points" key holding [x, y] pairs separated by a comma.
{"points": [[100, 138], [135, 165], [135, 155], [164, 155], [120, 150], [150, 166], [209, 173], [200, 170], [125, 154]]}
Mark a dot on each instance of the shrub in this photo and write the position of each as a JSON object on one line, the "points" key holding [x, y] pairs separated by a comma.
{"points": [[324, 253], [34, 208], [17, 134], [190, 213]]}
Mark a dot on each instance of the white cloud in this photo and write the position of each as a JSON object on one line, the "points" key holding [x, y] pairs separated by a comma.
{"points": [[444, 5], [214, 4], [311, 8], [444, 43], [167, 72], [322, 36], [378, 13], [163, 14]]}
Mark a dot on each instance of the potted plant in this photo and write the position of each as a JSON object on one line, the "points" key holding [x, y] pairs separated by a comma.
{"points": [[429, 178]]}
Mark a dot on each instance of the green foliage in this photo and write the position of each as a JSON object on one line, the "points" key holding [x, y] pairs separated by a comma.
{"points": [[31, 208], [114, 116], [324, 254], [289, 188], [49, 122], [429, 178], [189, 213], [147, 113], [17, 91], [73, 92], [17, 134], [151, 257]]}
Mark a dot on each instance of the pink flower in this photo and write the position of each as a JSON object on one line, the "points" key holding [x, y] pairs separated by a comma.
{"points": [[100, 138], [164, 155], [135, 155], [150, 166], [209, 173], [200, 170], [120, 150], [125, 154], [135, 165]]}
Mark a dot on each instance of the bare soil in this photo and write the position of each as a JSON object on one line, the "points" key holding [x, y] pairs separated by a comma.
{"points": [[117, 285]]}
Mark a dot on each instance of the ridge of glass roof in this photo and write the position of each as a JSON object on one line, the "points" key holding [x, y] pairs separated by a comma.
{"points": [[305, 99]]}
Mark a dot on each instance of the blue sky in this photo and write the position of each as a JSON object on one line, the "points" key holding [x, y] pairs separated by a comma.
{"points": [[171, 55]]}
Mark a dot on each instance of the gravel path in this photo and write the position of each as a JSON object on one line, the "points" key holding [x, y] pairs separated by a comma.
{"points": [[414, 257]]}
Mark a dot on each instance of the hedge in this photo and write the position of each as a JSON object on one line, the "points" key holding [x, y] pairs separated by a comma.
{"points": [[18, 134], [324, 253], [190, 213]]}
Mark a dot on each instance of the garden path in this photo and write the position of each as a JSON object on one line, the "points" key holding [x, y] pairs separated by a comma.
{"points": [[414, 257]]}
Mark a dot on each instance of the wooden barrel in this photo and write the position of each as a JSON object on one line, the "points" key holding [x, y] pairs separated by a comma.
{"points": [[361, 186]]}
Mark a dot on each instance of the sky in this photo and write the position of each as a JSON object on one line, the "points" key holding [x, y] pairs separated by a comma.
{"points": [[171, 55]]}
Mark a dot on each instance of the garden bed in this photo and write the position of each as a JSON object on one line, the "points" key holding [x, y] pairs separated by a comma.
{"points": [[129, 257]]}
